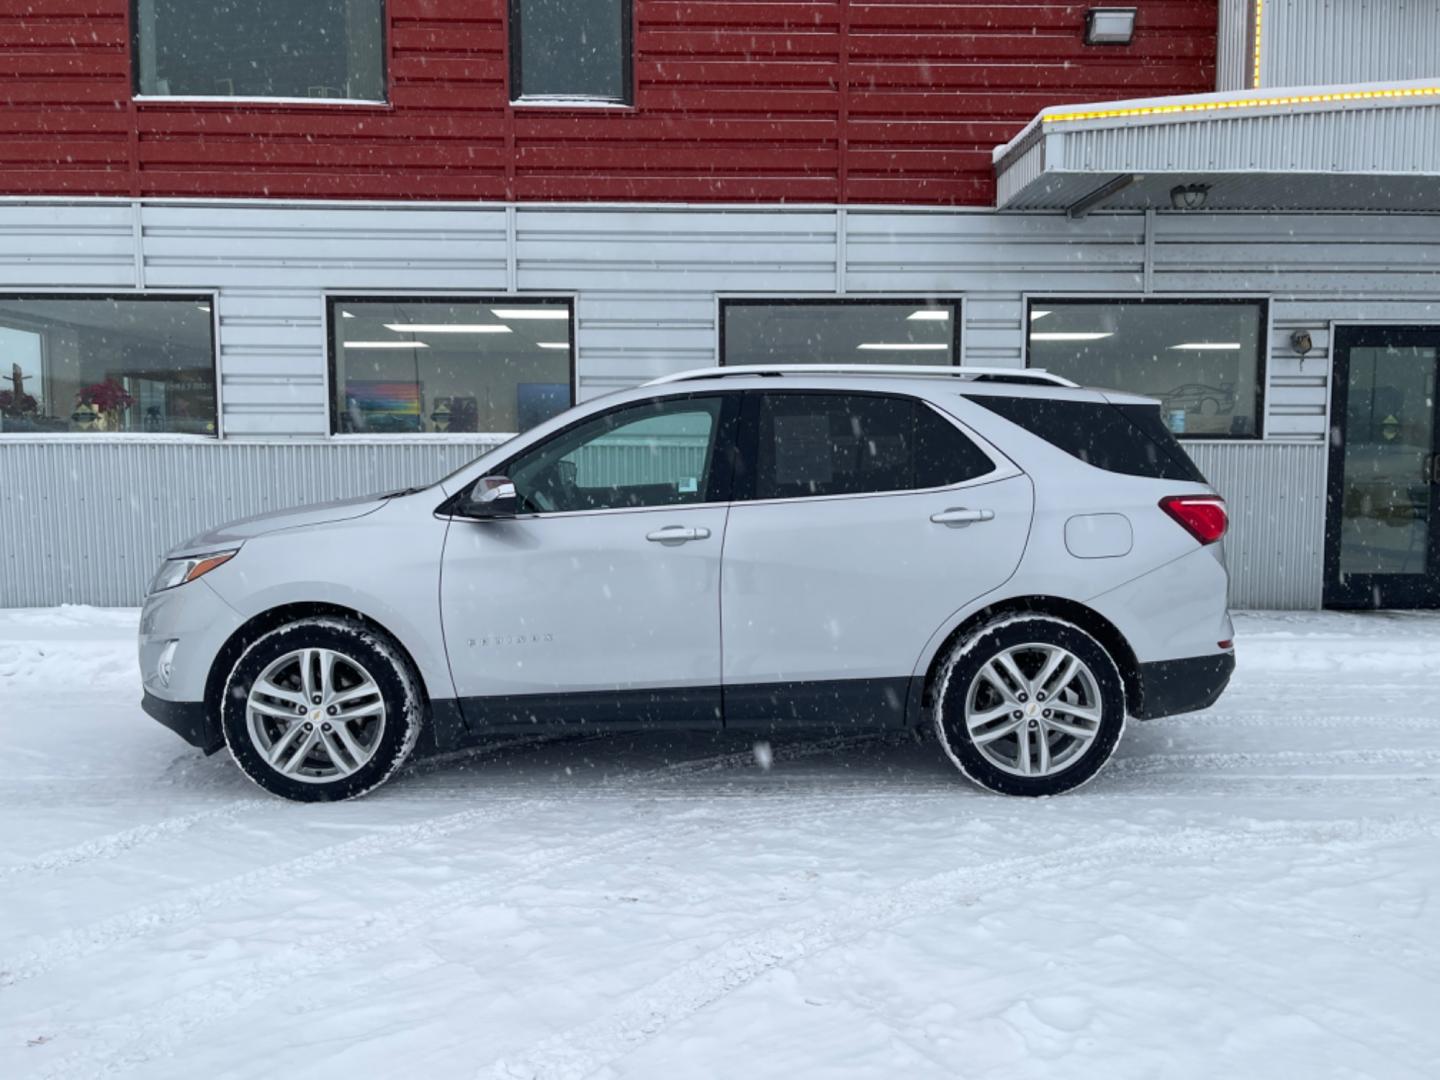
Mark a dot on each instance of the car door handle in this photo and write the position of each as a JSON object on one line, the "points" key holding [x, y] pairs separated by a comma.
{"points": [[957, 517], [677, 534]]}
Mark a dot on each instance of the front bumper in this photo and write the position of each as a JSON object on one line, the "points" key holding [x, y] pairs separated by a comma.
{"points": [[1167, 687], [188, 719]]}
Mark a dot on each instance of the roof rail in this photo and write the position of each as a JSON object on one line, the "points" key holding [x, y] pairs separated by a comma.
{"points": [[996, 374]]}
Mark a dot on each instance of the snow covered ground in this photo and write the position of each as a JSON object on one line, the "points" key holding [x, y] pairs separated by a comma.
{"points": [[1249, 892]]}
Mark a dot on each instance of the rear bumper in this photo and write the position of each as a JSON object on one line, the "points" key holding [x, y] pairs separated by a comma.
{"points": [[1168, 687], [188, 719]]}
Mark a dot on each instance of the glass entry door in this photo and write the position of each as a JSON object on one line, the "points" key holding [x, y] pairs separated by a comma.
{"points": [[1381, 545]]}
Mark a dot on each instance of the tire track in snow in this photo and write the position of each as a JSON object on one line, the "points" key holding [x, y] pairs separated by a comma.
{"points": [[1220, 762], [158, 1030], [73, 945], [647, 1012], [113, 844]]}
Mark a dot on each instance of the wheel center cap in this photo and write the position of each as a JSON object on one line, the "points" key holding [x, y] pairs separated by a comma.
{"points": [[314, 714], [1031, 709]]}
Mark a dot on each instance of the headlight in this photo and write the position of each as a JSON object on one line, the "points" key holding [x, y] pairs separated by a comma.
{"points": [[178, 571]]}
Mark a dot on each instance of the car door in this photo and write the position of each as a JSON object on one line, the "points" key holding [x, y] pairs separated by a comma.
{"points": [[600, 600], [863, 522]]}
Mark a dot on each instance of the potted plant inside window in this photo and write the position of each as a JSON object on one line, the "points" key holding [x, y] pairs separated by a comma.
{"points": [[99, 405]]}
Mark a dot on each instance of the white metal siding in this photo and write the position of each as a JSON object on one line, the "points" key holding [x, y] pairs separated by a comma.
{"points": [[646, 281], [1276, 496], [1307, 42]]}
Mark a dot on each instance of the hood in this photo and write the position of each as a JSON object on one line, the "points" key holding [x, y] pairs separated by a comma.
{"points": [[234, 533]]}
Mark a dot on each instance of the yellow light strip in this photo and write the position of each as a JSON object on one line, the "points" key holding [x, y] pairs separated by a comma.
{"points": [[1246, 103], [1259, 23]]}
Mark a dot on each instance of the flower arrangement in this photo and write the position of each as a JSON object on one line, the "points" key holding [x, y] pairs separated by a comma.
{"points": [[107, 397], [21, 404]]}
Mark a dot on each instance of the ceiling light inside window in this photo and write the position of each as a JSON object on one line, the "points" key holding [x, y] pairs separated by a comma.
{"points": [[1208, 346], [930, 315], [386, 345], [904, 346], [1038, 315], [346, 315], [553, 344], [558, 314], [1109, 26], [448, 328], [1071, 335]]}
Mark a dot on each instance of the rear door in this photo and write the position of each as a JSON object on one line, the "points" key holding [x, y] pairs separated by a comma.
{"points": [[862, 522]]}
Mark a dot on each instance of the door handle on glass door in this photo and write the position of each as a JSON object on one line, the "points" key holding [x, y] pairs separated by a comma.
{"points": [[957, 517], [677, 534]]}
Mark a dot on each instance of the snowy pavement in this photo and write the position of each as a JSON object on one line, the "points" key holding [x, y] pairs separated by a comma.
{"points": [[1249, 892]]}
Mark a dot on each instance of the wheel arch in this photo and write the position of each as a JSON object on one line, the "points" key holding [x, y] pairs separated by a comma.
{"points": [[257, 626], [1072, 611]]}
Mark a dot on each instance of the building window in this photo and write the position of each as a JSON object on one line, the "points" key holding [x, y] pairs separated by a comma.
{"points": [[96, 364], [260, 48], [563, 51], [839, 331], [1202, 359], [409, 365]]}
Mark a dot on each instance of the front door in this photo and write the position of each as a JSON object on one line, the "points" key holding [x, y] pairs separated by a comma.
{"points": [[600, 601], [1382, 548]]}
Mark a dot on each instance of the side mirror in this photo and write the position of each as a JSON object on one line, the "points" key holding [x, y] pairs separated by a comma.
{"points": [[492, 497]]}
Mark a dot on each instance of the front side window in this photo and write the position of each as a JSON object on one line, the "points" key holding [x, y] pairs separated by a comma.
{"points": [[839, 332], [1202, 359], [93, 365], [410, 365], [654, 454], [851, 444], [560, 50], [260, 48]]}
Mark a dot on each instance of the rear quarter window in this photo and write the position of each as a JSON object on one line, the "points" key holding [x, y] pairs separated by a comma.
{"points": [[1128, 439]]}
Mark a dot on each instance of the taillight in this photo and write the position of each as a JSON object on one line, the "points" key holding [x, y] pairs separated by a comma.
{"points": [[1203, 516]]}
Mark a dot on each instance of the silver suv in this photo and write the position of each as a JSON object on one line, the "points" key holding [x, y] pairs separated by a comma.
{"points": [[1004, 557]]}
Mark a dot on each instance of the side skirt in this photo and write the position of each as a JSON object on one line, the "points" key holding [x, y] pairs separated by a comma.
{"points": [[838, 704]]}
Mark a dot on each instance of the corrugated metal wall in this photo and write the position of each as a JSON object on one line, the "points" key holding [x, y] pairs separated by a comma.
{"points": [[646, 282], [1234, 57], [86, 521], [1276, 496], [1306, 42]]}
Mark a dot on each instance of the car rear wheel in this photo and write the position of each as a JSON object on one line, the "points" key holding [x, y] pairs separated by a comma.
{"points": [[1029, 705], [321, 709]]}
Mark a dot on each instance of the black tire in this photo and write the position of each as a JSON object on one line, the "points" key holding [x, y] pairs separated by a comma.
{"points": [[958, 674], [357, 644]]}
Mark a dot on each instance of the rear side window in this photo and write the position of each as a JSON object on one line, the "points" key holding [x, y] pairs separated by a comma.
{"points": [[1130, 439], [852, 444]]}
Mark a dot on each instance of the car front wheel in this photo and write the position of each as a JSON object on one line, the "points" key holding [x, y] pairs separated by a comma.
{"points": [[321, 709], [1029, 705]]}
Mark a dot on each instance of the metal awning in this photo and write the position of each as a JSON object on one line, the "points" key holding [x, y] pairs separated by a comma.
{"points": [[1370, 147]]}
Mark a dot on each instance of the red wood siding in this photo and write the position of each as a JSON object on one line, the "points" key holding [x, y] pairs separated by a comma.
{"points": [[794, 100]]}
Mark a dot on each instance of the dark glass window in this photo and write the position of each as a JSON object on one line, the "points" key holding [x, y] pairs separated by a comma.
{"points": [[561, 49], [261, 48], [1202, 359], [90, 365], [414, 365], [653, 454], [836, 332], [1129, 439], [849, 444]]}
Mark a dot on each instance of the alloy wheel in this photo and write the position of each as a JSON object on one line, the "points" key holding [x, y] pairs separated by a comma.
{"points": [[315, 715], [1033, 710]]}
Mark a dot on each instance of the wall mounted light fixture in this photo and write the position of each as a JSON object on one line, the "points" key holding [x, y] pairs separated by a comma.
{"points": [[1109, 26], [1189, 196]]}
